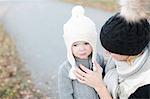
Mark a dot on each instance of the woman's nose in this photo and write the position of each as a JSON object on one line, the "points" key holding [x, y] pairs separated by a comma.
{"points": [[107, 53]]}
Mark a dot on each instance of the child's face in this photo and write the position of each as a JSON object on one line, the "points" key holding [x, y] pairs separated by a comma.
{"points": [[81, 49], [118, 56]]}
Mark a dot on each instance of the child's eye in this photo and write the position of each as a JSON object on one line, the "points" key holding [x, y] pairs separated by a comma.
{"points": [[75, 45], [86, 43]]}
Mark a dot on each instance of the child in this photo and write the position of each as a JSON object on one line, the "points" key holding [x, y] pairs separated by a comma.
{"points": [[80, 38], [126, 36]]}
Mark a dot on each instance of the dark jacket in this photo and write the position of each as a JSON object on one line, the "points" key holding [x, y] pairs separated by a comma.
{"points": [[141, 93]]}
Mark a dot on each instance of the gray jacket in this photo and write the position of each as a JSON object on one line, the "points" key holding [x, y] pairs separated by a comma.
{"points": [[72, 89]]}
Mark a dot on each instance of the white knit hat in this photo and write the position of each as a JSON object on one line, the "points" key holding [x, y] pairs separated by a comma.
{"points": [[79, 28]]}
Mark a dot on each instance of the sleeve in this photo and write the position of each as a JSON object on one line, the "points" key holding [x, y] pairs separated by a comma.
{"points": [[111, 78], [65, 88], [110, 65], [111, 81]]}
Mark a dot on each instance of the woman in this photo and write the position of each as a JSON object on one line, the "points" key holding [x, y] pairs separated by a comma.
{"points": [[126, 36]]}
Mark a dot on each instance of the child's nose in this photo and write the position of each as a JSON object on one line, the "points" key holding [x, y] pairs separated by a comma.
{"points": [[82, 47]]}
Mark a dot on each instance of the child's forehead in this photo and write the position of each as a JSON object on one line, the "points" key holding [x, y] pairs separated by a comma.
{"points": [[80, 42]]}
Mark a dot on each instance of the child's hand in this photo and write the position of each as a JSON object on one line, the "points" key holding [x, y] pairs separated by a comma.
{"points": [[89, 77]]}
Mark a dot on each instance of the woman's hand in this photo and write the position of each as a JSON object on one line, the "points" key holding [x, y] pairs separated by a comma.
{"points": [[93, 79], [89, 77]]}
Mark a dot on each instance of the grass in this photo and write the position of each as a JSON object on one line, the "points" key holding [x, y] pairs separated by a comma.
{"points": [[15, 80], [108, 5]]}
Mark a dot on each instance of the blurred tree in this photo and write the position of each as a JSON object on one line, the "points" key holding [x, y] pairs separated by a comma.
{"points": [[108, 5]]}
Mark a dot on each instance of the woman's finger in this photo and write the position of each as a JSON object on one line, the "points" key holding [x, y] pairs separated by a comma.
{"points": [[79, 76], [80, 72], [86, 70], [81, 81]]}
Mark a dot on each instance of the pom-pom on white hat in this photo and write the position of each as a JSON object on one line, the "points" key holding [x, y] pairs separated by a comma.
{"points": [[79, 28]]}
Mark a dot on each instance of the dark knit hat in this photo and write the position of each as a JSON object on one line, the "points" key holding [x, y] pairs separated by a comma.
{"points": [[120, 36]]}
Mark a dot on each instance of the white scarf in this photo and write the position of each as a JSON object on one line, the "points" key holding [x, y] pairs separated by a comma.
{"points": [[123, 70], [128, 82]]}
